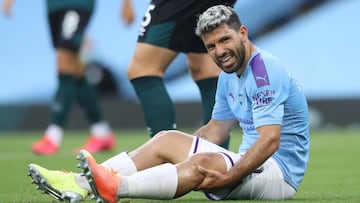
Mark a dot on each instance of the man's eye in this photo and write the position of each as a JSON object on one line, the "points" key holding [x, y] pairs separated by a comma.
{"points": [[225, 39], [209, 48]]}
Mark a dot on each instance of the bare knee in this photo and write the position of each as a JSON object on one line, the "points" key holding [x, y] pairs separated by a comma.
{"points": [[170, 146], [188, 170], [201, 159], [168, 134], [161, 133], [209, 160]]}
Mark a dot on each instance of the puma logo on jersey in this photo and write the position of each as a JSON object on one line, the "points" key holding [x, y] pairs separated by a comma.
{"points": [[259, 71], [261, 78]]}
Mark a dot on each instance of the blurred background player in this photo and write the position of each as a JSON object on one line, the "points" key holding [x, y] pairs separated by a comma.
{"points": [[68, 21], [168, 28]]}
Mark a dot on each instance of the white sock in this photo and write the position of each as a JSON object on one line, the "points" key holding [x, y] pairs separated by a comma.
{"points": [[82, 182], [54, 133], [121, 163], [159, 182], [100, 129]]}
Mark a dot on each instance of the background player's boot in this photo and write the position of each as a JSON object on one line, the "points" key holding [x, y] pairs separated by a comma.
{"points": [[60, 185], [96, 144], [45, 146], [104, 181]]}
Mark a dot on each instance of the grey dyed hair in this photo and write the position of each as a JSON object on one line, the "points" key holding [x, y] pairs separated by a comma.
{"points": [[215, 16]]}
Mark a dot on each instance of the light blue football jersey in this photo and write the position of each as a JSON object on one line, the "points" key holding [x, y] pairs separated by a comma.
{"points": [[266, 93]]}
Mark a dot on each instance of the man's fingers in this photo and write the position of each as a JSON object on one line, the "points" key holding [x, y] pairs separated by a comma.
{"points": [[202, 170]]}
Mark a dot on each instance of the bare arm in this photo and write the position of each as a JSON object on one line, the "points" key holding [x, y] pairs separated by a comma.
{"points": [[6, 7], [127, 12], [216, 131], [262, 149]]}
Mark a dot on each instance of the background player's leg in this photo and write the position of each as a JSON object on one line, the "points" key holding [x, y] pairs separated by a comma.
{"points": [[159, 111], [102, 137], [60, 110], [145, 73]]}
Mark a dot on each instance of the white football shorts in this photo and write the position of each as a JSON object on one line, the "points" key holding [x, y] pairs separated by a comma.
{"points": [[265, 183]]}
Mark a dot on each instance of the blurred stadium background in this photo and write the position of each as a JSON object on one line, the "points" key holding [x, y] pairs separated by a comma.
{"points": [[317, 39]]}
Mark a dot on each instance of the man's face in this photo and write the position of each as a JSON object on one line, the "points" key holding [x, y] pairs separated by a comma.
{"points": [[225, 47]]}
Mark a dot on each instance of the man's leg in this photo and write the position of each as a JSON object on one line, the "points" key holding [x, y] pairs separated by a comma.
{"points": [[102, 137], [87, 97], [154, 152], [60, 110], [67, 68], [164, 181], [145, 72], [158, 108]]}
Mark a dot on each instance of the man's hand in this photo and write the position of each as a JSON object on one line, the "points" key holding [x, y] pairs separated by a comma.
{"points": [[216, 131], [213, 180], [6, 7], [127, 12]]}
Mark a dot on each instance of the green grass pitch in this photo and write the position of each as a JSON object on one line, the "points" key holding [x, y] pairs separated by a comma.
{"points": [[333, 173]]}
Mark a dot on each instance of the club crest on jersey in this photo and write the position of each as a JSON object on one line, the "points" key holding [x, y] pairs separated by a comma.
{"points": [[241, 99]]}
